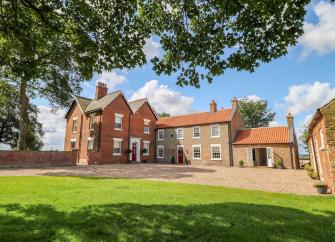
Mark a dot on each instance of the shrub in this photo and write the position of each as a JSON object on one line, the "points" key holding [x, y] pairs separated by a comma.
{"points": [[279, 163], [186, 161], [173, 160], [241, 163], [144, 151], [308, 167], [312, 174]]}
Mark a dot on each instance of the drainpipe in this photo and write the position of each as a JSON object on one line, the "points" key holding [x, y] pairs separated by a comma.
{"points": [[80, 137], [230, 145], [99, 138], [129, 128]]}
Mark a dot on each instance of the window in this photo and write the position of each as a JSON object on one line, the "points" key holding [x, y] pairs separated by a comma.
{"points": [[215, 130], [73, 144], [91, 121], [146, 147], [118, 121], [160, 134], [216, 152], [90, 143], [146, 126], [322, 140], [196, 152], [74, 125], [180, 133], [160, 151], [117, 146], [196, 132]]}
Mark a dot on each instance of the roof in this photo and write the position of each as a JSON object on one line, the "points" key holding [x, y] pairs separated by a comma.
{"points": [[136, 104], [102, 102], [220, 116], [317, 114], [83, 102], [266, 135]]}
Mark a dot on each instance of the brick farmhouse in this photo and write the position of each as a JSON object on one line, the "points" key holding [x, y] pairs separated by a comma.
{"points": [[321, 143], [109, 129]]}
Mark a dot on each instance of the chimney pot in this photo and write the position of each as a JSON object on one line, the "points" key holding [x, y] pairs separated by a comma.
{"points": [[213, 106], [289, 118], [101, 90]]}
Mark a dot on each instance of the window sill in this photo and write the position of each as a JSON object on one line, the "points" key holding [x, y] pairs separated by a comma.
{"points": [[216, 159], [160, 139], [146, 133], [180, 138], [74, 132], [215, 136], [196, 158], [196, 138], [145, 154], [118, 129], [116, 154], [160, 157]]}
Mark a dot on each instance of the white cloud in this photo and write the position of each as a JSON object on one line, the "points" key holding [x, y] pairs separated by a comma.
{"points": [[54, 126], [307, 97], [112, 79], [151, 49], [275, 124], [164, 99], [253, 98], [320, 37]]}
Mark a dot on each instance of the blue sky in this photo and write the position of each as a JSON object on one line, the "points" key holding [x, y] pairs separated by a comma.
{"points": [[298, 82]]}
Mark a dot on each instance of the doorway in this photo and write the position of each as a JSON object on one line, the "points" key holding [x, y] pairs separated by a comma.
{"points": [[180, 154], [260, 157], [133, 151]]}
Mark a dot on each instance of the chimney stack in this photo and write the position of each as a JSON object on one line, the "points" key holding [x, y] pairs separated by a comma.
{"points": [[289, 118], [234, 103], [101, 90], [213, 106]]}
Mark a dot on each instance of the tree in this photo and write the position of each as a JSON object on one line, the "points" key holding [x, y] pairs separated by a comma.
{"points": [[49, 47], [10, 120], [304, 135], [164, 115], [255, 113]]}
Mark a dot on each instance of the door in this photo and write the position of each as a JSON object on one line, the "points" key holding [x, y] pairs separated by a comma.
{"points": [[269, 156], [133, 152], [180, 155]]}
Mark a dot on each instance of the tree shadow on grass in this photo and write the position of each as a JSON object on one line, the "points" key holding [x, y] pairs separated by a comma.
{"points": [[133, 222]]}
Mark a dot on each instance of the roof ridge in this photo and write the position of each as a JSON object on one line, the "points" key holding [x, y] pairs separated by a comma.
{"points": [[282, 126], [138, 100], [180, 115], [83, 97]]}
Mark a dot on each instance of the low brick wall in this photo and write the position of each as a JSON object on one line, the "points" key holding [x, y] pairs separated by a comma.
{"points": [[37, 158]]}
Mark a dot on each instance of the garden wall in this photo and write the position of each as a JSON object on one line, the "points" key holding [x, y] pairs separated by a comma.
{"points": [[37, 158]]}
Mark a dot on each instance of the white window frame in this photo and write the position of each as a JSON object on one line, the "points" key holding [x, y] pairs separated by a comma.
{"points": [[162, 147], [120, 141], [216, 145], [91, 122], [196, 146], [322, 140], [216, 136], [118, 116], [75, 119], [177, 134], [196, 137], [146, 123], [160, 131], [146, 142], [90, 139], [75, 143]]}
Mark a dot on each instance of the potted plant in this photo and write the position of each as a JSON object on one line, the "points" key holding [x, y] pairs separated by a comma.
{"points": [[144, 151], [321, 187], [279, 164], [128, 151], [173, 160], [241, 164], [187, 162]]}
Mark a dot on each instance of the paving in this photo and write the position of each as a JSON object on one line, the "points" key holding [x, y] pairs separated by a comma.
{"points": [[260, 178]]}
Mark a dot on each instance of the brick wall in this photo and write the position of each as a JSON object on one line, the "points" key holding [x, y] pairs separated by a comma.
{"points": [[74, 113], [37, 158]]}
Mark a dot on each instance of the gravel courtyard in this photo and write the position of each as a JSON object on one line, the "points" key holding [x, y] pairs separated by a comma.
{"points": [[262, 178]]}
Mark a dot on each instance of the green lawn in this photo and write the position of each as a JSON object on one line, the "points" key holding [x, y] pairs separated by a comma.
{"points": [[97, 209]]}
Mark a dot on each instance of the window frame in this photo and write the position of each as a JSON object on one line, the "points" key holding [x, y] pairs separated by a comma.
{"points": [[146, 124], [90, 139], [177, 136], [118, 116], [75, 143], [162, 147], [196, 146], [119, 140], [216, 145], [75, 121], [146, 142], [163, 132], [196, 137], [219, 131], [91, 122], [322, 140]]}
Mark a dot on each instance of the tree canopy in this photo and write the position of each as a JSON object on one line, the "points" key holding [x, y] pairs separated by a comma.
{"points": [[48, 47], [164, 115], [255, 113]]}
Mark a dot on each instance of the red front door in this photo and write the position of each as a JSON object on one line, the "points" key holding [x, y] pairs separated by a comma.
{"points": [[133, 153], [180, 155]]}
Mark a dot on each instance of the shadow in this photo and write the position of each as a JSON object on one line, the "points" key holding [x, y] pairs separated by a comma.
{"points": [[133, 222], [135, 171]]}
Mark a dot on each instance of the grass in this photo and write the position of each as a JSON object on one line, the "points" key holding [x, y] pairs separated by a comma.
{"points": [[97, 209]]}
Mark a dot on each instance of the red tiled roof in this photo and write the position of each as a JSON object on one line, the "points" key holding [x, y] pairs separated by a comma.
{"points": [[270, 135], [220, 116]]}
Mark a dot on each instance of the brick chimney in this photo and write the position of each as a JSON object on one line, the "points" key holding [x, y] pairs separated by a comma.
{"points": [[289, 118], [101, 90], [234, 103], [213, 106]]}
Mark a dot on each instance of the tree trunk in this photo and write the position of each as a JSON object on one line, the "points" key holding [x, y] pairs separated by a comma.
{"points": [[24, 102]]}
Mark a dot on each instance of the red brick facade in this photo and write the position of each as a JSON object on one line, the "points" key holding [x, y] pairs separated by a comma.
{"points": [[106, 135]]}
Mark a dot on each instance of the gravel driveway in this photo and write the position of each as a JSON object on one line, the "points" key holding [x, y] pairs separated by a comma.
{"points": [[261, 178]]}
